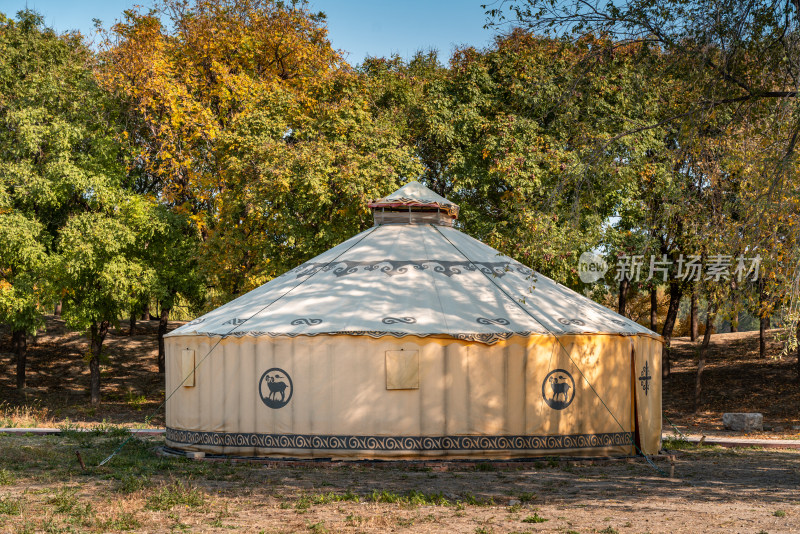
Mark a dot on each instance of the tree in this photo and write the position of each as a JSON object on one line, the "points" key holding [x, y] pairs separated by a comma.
{"points": [[252, 125], [23, 284], [58, 154], [171, 252], [187, 81], [99, 268], [299, 179], [738, 63], [499, 134]]}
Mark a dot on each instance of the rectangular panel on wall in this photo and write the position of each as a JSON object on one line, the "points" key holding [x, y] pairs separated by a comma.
{"points": [[187, 367], [402, 369]]}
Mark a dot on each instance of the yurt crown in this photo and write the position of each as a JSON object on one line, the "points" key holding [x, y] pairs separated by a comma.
{"points": [[414, 204]]}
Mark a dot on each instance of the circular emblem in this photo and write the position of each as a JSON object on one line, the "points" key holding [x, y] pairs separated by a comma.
{"points": [[275, 388], [558, 389]]}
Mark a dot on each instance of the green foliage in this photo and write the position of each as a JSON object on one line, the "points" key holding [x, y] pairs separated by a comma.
{"points": [[97, 265], [411, 498], [499, 134], [9, 506], [123, 521], [7, 478], [175, 494], [535, 518]]}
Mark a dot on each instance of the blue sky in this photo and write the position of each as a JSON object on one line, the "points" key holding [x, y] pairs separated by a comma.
{"points": [[359, 27]]}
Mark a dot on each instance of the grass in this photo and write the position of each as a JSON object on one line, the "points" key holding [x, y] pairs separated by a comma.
{"points": [[526, 497], [125, 521], [779, 513], [10, 506], [7, 478], [137, 402], [306, 501], [25, 416], [318, 527], [677, 444], [410, 498], [43, 489], [535, 518], [176, 494]]}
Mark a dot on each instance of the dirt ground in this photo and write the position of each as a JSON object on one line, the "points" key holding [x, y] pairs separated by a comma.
{"points": [[42, 488], [58, 378], [735, 379]]}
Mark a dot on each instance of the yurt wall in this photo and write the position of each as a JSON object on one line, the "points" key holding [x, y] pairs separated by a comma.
{"points": [[349, 396]]}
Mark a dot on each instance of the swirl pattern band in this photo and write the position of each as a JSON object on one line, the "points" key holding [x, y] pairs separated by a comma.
{"points": [[394, 267], [395, 320], [399, 443], [499, 321], [486, 338], [308, 321]]}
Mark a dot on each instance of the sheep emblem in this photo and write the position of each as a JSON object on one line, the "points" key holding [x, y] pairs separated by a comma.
{"points": [[275, 388], [558, 389]]}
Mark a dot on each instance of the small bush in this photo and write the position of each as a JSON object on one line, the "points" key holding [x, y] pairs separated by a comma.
{"points": [[7, 477], [535, 518], [472, 500], [136, 402], [779, 513]]}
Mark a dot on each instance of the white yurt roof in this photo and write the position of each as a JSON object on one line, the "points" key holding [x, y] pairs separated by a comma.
{"points": [[411, 280]]}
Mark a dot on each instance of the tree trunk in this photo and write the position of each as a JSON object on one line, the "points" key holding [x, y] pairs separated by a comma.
{"points": [[675, 294], [132, 329], [701, 359], [162, 330], [763, 319], [624, 285], [57, 310], [146, 312], [693, 328], [19, 341], [653, 309], [797, 337], [97, 336]]}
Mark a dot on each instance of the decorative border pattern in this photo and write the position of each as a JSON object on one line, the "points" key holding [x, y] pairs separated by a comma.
{"points": [[400, 443], [486, 338], [394, 267]]}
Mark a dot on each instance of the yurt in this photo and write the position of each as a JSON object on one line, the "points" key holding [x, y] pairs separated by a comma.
{"points": [[413, 340]]}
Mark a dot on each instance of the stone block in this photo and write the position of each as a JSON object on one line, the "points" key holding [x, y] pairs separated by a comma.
{"points": [[743, 422]]}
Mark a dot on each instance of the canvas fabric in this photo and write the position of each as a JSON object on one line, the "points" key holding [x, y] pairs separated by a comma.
{"points": [[472, 400]]}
